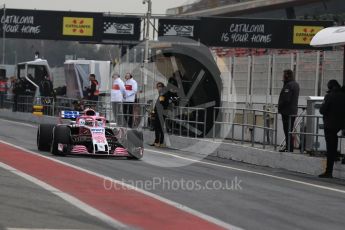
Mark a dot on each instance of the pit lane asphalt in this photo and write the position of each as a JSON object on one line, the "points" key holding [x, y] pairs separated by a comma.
{"points": [[285, 201]]}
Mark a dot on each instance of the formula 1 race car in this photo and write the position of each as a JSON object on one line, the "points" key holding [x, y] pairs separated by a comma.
{"points": [[89, 134]]}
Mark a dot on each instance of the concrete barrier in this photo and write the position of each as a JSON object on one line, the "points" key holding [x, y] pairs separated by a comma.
{"points": [[296, 162]]}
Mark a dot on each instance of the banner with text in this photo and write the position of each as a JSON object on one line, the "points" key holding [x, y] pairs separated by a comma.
{"points": [[121, 28], [189, 28], [259, 33], [51, 25]]}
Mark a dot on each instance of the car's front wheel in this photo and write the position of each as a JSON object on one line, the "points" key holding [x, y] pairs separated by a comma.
{"points": [[61, 135], [44, 136]]}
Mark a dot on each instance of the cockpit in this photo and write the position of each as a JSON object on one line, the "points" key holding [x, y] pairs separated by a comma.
{"points": [[91, 122]]}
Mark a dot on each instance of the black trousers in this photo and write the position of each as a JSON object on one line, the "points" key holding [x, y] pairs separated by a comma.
{"points": [[286, 118], [331, 138], [2, 99], [128, 113], [158, 126]]}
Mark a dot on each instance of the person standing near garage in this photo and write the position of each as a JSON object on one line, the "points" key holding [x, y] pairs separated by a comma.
{"points": [[93, 91], [131, 87], [3, 91], [159, 116], [333, 111], [117, 93], [288, 107]]}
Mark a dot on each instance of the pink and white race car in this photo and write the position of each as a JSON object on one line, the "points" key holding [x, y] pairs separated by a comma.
{"points": [[89, 134]]}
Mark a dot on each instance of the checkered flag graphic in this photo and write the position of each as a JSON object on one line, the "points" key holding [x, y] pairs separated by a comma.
{"points": [[178, 30], [118, 28]]}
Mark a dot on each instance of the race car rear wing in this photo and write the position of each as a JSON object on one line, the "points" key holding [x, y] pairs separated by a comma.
{"points": [[70, 114]]}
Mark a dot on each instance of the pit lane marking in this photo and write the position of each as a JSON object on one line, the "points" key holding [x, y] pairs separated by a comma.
{"points": [[82, 205], [209, 163], [70, 199], [19, 123]]}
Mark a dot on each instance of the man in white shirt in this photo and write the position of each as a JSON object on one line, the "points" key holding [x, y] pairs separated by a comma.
{"points": [[131, 87], [117, 94]]}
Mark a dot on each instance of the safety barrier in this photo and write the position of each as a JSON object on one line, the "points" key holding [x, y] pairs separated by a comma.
{"points": [[306, 132], [187, 121], [234, 123]]}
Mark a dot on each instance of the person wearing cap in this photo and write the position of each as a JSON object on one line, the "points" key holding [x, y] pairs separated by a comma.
{"points": [[131, 88], [117, 93]]}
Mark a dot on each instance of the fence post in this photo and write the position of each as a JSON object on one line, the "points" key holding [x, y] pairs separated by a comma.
{"points": [[275, 131]]}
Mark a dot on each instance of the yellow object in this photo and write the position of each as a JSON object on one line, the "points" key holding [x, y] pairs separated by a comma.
{"points": [[38, 107], [304, 34], [77, 26], [37, 110], [37, 113]]}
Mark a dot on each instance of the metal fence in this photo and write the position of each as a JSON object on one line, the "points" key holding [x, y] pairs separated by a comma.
{"points": [[258, 79], [246, 125]]}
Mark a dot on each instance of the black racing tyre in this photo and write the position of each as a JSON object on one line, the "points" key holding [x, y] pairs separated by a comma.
{"points": [[44, 136], [61, 135], [135, 140]]}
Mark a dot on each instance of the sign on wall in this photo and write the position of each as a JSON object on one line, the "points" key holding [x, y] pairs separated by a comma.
{"points": [[304, 34], [179, 27], [75, 26], [259, 33], [121, 28]]}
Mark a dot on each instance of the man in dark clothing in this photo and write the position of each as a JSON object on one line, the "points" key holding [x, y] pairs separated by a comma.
{"points": [[333, 111], [3, 91], [93, 91], [287, 106], [46, 87], [18, 91], [46, 92], [166, 97]]}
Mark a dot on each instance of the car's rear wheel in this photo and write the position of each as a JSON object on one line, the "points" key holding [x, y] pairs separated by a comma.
{"points": [[44, 136], [61, 135]]}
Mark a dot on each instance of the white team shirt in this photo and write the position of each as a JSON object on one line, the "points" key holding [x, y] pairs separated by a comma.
{"points": [[131, 87], [117, 90]]}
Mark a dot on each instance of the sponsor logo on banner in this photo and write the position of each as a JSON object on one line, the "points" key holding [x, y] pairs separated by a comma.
{"points": [[118, 28], [77, 26], [304, 34], [178, 30]]}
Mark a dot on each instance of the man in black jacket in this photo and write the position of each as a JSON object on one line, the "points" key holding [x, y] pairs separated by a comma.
{"points": [[167, 96], [333, 111], [287, 106]]}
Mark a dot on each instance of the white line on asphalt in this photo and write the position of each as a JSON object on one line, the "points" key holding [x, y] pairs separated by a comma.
{"points": [[228, 167], [120, 183], [19, 123], [37, 229], [248, 171], [72, 200]]}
